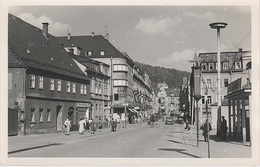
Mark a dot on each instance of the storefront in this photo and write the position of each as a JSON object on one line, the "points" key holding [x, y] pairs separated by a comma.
{"points": [[239, 98]]}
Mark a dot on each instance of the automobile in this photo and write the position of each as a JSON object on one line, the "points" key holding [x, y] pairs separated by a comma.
{"points": [[169, 121]]}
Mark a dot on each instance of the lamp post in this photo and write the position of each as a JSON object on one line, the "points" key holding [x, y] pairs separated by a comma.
{"points": [[218, 26], [197, 95]]}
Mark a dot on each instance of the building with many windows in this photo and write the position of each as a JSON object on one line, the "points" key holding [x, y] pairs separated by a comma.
{"points": [[43, 80], [233, 67]]}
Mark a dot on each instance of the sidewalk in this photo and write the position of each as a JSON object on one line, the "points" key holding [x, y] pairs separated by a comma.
{"points": [[28, 142], [218, 147]]}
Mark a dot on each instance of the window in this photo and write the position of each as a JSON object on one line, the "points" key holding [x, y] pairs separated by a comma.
{"points": [[41, 115], [85, 89], [68, 87], [32, 115], [96, 87], [120, 83], [32, 81], [73, 88], [105, 89], [120, 68], [116, 97], [99, 88], [40, 82], [203, 99], [211, 66], [225, 65], [81, 90], [204, 66], [59, 85], [102, 53], [89, 53], [226, 82], [209, 83], [52, 84], [48, 115], [237, 65], [209, 100]]}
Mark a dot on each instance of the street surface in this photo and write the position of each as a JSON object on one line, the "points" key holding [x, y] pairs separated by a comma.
{"points": [[137, 141]]}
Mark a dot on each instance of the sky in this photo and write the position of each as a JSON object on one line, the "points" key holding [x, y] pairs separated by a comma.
{"points": [[166, 36]]}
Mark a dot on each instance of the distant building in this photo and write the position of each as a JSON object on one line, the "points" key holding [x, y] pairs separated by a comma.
{"points": [[43, 79]]}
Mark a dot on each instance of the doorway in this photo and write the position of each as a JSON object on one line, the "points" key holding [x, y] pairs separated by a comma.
{"points": [[59, 118]]}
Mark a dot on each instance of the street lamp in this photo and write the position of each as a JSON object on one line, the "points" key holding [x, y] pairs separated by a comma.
{"points": [[218, 26], [197, 96]]}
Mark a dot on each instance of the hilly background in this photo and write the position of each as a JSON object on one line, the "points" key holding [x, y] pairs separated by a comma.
{"points": [[171, 76]]}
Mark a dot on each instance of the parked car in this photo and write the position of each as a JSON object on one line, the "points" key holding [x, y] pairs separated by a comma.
{"points": [[169, 121]]}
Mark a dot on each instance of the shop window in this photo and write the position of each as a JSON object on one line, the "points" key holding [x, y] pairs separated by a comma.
{"points": [[41, 115], [49, 115], [40, 82], [32, 81]]}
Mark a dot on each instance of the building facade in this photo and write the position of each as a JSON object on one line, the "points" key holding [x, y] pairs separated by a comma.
{"points": [[233, 67], [43, 80]]}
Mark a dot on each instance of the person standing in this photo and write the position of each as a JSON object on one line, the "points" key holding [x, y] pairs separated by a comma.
{"points": [[67, 126], [206, 130], [82, 124], [223, 128], [100, 127], [92, 127]]}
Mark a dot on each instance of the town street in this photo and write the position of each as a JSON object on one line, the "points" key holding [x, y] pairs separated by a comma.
{"points": [[135, 141]]}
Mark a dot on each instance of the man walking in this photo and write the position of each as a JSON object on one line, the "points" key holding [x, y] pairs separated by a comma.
{"points": [[223, 128], [206, 127]]}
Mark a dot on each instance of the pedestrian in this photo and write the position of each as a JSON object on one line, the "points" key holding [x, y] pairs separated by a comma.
{"points": [[67, 126], [187, 126], [114, 124], [92, 127], [224, 128], [100, 127], [206, 129], [82, 124], [87, 125]]}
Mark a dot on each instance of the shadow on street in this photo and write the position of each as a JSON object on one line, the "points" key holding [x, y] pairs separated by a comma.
{"points": [[181, 151]]}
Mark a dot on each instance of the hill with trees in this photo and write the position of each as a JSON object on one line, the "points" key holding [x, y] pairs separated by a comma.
{"points": [[172, 77]]}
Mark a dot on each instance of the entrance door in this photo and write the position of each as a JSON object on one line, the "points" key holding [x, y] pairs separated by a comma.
{"points": [[59, 118]]}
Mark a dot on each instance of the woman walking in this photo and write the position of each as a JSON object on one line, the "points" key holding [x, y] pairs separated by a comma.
{"points": [[82, 124], [67, 126]]}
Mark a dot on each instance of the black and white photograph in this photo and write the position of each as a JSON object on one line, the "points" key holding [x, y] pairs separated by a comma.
{"points": [[130, 83]]}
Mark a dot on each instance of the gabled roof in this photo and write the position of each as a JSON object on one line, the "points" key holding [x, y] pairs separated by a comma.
{"points": [[94, 44], [29, 46]]}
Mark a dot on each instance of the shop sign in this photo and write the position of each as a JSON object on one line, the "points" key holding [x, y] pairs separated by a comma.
{"points": [[78, 104]]}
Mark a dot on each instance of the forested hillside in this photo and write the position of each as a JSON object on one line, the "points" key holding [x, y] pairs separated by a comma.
{"points": [[171, 76]]}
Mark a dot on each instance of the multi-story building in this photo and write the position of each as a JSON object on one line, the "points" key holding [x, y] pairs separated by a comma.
{"points": [[233, 67], [99, 85], [43, 80]]}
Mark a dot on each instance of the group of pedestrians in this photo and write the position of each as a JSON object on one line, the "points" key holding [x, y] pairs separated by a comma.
{"points": [[84, 125], [206, 127]]}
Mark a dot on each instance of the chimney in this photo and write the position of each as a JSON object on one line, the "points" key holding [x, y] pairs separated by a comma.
{"points": [[92, 34], [69, 35], [71, 51], [107, 36], [240, 49], [45, 29]]}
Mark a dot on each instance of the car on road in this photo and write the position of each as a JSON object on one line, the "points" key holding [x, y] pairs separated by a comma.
{"points": [[169, 121]]}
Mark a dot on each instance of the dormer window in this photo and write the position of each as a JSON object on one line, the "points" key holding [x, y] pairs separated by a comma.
{"points": [[89, 53], [211, 66], [237, 65], [225, 65], [204, 66], [102, 53]]}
